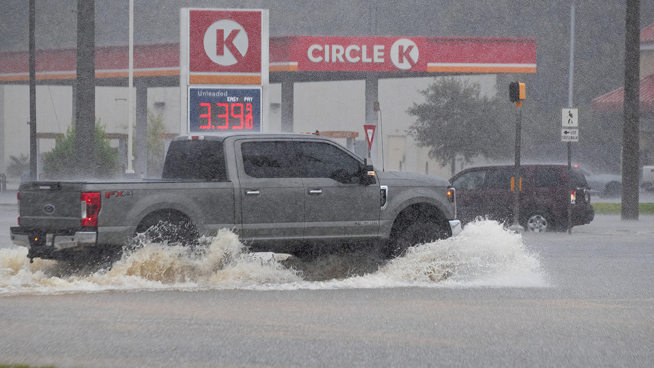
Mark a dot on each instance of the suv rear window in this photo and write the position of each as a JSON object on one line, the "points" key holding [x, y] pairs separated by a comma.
{"points": [[547, 177], [578, 179]]}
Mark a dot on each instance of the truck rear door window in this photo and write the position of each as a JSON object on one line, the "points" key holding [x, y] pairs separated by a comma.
{"points": [[270, 159]]}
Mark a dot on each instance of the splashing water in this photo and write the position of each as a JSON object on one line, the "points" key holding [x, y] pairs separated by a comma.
{"points": [[484, 254]]}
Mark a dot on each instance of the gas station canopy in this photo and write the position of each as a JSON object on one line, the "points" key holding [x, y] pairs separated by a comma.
{"points": [[297, 57]]}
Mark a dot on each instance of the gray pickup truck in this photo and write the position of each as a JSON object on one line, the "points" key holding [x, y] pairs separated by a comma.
{"points": [[279, 192]]}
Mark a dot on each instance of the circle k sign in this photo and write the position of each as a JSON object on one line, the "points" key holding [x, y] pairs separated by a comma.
{"points": [[404, 54], [225, 41], [362, 54]]}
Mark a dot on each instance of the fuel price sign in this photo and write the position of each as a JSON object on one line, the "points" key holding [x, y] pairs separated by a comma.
{"points": [[213, 110]]}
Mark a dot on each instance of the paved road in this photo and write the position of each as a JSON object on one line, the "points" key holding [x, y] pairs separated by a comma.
{"points": [[585, 299]]}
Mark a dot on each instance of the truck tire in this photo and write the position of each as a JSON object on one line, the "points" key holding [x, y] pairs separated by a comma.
{"points": [[414, 233], [169, 228]]}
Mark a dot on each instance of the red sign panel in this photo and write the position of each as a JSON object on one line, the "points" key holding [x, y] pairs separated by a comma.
{"points": [[407, 54], [225, 41], [370, 134]]}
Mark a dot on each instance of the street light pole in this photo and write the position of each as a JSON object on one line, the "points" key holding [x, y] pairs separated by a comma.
{"points": [[130, 99]]}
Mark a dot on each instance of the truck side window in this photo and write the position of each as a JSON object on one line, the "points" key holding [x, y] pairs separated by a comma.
{"points": [[195, 160], [270, 159], [323, 160]]}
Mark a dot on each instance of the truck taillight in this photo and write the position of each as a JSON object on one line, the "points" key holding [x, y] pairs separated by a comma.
{"points": [[90, 208]]}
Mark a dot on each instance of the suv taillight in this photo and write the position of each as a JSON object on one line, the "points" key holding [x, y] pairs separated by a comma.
{"points": [[573, 196], [90, 208]]}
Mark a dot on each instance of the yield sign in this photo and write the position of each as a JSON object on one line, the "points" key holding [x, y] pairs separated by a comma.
{"points": [[370, 134]]}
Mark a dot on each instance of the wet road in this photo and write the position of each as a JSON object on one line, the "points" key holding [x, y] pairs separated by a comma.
{"points": [[593, 307]]}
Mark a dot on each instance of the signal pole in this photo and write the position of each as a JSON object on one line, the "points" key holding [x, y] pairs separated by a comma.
{"points": [[517, 93]]}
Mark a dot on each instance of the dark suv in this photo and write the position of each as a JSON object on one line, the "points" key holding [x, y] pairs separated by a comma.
{"points": [[544, 195]]}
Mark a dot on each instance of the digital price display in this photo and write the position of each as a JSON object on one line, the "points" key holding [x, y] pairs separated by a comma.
{"points": [[224, 109]]}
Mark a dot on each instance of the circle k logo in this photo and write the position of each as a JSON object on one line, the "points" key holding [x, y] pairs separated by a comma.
{"points": [[225, 42], [404, 54]]}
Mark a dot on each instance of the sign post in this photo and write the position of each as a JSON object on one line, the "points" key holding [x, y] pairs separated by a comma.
{"points": [[569, 134]]}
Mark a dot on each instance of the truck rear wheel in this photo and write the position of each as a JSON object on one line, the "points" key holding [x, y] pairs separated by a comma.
{"points": [[169, 227]]}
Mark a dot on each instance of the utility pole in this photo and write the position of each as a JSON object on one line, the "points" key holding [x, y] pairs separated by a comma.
{"points": [[85, 91], [630, 134], [571, 73], [32, 67]]}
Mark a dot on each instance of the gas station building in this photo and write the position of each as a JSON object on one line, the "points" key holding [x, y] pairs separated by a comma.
{"points": [[323, 83]]}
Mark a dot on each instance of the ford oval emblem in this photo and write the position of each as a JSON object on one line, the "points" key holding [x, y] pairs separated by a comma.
{"points": [[49, 209]]}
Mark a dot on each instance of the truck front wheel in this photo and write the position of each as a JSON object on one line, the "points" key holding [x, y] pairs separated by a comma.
{"points": [[419, 231]]}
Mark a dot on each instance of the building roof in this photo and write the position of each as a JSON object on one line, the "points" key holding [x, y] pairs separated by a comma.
{"points": [[613, 101], [647, 35]]}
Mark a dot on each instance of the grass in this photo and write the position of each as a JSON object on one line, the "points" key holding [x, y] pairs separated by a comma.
{"points": [[616, 209]]}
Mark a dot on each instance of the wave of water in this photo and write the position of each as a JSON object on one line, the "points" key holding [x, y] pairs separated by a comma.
{"points": [[483, 255]]}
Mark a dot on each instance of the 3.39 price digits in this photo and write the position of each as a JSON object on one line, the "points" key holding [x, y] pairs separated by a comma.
{"points": [[236, 114]]}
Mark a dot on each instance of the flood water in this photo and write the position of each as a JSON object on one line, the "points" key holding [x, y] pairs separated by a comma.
{"points": [[484, 254]]}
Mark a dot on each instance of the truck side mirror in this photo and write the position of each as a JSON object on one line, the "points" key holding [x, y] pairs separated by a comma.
{"points": [[368, 175]]}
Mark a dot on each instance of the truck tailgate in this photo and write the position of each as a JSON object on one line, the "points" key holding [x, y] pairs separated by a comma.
{"points": [[49, 206]]}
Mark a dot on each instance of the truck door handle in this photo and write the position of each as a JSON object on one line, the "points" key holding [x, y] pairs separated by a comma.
{"points": [[251, 192], [315, 191]]}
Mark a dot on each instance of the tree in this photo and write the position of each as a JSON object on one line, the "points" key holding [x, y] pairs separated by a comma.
{"points": [[156, 144], [18, 165], [457, 121], [60, 162]]}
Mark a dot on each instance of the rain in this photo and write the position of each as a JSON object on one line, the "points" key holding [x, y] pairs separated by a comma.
{"points": [[490, 295]]}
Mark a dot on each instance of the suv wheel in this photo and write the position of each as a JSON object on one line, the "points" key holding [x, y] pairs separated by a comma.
{"points": [[538, 222]]}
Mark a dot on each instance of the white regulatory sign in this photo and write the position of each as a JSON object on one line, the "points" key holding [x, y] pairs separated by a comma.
{"points": [[570, 117], [569, 135]]}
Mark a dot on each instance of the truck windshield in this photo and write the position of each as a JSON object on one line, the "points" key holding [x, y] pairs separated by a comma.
{"points": [[197, 159]]}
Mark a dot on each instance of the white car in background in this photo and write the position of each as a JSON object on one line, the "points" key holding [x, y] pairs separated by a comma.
{"points": [[603, 185], [647, 181]]}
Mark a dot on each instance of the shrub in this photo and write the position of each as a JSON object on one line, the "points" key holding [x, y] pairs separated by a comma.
{"points": [[61, 161]]}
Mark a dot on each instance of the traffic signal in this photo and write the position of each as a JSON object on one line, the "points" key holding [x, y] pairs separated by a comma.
{"points": [[517, 92]]}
